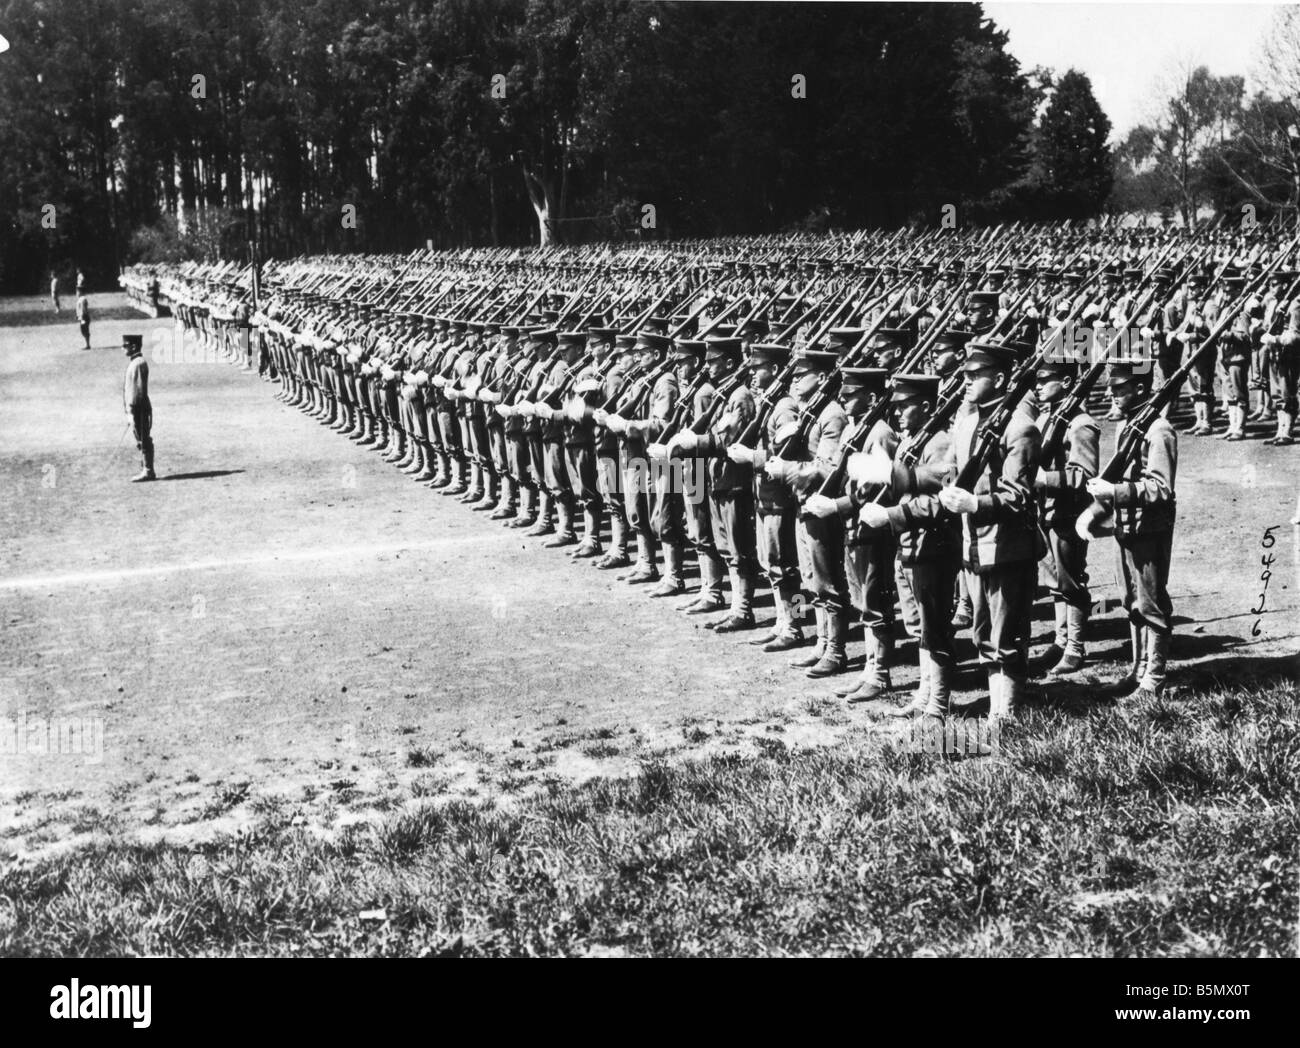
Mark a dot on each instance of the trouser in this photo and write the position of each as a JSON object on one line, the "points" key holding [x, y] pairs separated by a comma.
{"points": [[1144, 566], [778, 553], [869, 568], [636, 495], [610, 486], [142, 430], [1002, 600], [500, 451], [1235, 389], [1282, 377], [1202, 377], [556, 471], [1259, 366], [932, 583], [584, 477], [908, 605], [697, 513], [1069, 560], [821, 561], [731, 515], [517, 458]]}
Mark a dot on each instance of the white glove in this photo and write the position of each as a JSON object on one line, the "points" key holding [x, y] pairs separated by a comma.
{"points": [[870, 467], [820, 506], [957, 500], [741, 455], [874, 516]]}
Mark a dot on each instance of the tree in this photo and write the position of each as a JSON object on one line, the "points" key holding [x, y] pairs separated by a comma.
{"points": [[1073, 167]]}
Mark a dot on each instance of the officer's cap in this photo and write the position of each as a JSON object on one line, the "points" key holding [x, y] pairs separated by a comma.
{"points": [[854, 380], [807, 360], [688, 349], [569, 339], [914, 387], [721, 347], [843, 338], [985, 298], [768, 354], [989, 355], [543, 337], [652, 341]]}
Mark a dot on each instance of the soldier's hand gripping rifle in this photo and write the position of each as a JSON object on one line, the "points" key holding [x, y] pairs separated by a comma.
{"points": [[1098, 520]]}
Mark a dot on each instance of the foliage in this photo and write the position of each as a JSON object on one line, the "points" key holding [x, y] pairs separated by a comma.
{"points": [[129, 115]]}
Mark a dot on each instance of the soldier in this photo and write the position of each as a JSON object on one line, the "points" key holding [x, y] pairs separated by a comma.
{"points": [[632, 431], [83, 317], [999, 524], [1060, 486], [54, 291], [1235, 349], [730, 489], [135, 401], [1284, 353], [1202, 309], [820, 540], [608, 371], [929, 538], [775, 504], [569, 348], [1145, 507], [868, 554]]}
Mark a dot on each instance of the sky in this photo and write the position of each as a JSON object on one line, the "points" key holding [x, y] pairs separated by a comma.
{"points": [[1125, 48]]}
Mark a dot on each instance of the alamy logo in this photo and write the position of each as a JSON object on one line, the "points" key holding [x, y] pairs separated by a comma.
{"points": [[101, 1002]]}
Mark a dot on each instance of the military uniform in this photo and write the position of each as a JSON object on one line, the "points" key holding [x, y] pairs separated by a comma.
{"points": [[1060, 486], [135, 400]]}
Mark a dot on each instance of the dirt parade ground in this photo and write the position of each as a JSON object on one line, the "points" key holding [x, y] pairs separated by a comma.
{"points": [[282, 616]]}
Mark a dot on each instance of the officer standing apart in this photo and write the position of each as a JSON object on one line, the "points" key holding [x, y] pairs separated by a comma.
{"points": [[135, 400]]}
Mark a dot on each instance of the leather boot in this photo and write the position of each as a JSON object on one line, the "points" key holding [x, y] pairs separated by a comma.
{"points": [[474, 491], [459, 478], [940, 679], [709, 600], [344, 420], [590, 546], [1284, 424], [1074, 655], [819, 649], [788, 633], [617, 555], [998, 708], [491, 492], [360, 426], [672, 584], [526, 517], [414, 459], [442, 472], [430, 470], [398, 450], [508, 504], [644, 570], [1053, 654], [1152, 682], [564, 535], [924, 682], [833, 659], [1202, 412], [1137, 667], [742, 605], [875, 683], [545, 524]]}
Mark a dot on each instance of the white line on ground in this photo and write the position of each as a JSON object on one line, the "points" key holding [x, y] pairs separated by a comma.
{"points": [[30, 582]]}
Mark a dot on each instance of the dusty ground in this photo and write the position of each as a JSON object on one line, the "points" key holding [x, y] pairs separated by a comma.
{"points": [[284, 619]]}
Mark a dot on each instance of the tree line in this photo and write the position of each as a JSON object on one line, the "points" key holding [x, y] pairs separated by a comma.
{"points": [[155, 129]]}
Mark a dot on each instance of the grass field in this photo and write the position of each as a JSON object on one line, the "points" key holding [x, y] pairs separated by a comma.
{"points": [[1164, 828]]}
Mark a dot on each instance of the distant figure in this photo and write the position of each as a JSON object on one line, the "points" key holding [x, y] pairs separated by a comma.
{"points": [[135, 399], [54, 290], [83, 317]]}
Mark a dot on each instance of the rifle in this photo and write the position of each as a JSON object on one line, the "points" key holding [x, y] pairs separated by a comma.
{"points": [[1098, 519]]}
